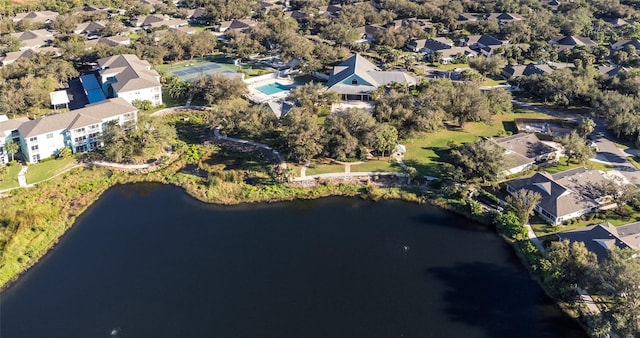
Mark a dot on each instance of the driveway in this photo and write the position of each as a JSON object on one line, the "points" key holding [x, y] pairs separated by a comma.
{"points": [[607, 150]]}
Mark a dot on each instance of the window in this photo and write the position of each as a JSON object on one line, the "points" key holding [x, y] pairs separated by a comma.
{"points": [[354, 81], [34, 147], [79, 131], [93, 126], [50, 136], [33, 139], [80, 139], [35, 158], [93, 135], [81, 148]]}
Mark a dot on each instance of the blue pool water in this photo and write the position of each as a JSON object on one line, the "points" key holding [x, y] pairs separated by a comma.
{"points": [[273, 88]]}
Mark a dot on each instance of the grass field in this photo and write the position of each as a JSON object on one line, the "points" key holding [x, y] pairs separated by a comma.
{"points": [[425, 152], [10, 177], [44, 170]]}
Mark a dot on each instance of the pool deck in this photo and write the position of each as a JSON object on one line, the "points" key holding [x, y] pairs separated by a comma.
{"points": [[257, 96]]}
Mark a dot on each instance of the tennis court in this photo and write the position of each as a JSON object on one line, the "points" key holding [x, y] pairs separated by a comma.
{"points": [[195, 70]]}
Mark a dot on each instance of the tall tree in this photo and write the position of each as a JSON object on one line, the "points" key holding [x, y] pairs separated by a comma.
{"points": [[482, 159], [586, 127], [575, 147], [523, 202], [619, 275], [301, 135]]}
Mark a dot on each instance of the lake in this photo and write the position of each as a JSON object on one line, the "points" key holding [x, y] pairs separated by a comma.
{"points": [[147, 260]]}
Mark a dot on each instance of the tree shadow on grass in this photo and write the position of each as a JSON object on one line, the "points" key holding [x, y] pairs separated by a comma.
{"points": [[501, 301], [435, 166]]}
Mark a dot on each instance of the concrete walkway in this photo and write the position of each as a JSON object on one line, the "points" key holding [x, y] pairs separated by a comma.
{"points": [[533, 238], [22, 179]]}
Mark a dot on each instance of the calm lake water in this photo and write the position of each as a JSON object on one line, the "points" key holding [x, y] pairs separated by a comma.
{"points": [[148, 261]]}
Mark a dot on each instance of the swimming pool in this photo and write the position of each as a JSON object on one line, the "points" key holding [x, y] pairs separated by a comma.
{"points": [[273, 88]]}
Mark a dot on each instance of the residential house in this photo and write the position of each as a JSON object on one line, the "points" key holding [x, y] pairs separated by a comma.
{"points": [[12, 57], [266, 6], [9, 133], [198, 16], [504, 17], [183, 29], [466, 18], [611, 71], [34, 38], [356, 77], [513, 71], [626, 44], [452, 54], [45, 17], [93, 9], [615, 22], [551, 4], [368, 32], [151, 22], [565, 195], [90, 29], [125, 76], [524, 150], [78, 129], [601, 238], [236, 25], [485, 44], [568, 42]]}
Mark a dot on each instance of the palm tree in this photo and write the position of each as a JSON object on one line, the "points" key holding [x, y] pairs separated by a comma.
{"points": [[11, 148]]}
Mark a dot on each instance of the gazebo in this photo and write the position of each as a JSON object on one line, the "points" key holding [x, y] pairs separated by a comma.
{"points": [[59, 99]]}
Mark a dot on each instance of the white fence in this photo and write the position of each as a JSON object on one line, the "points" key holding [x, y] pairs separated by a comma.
{"points": [[260, 78]]}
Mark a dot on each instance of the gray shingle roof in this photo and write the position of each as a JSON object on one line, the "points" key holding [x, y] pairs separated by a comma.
{"points": [[366, 70], [525, 144], [557, 199], [90, 114], [131, 72], [598, 239]]}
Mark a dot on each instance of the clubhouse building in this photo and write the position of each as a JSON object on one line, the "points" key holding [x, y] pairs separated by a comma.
{"points": [[356, 78]]}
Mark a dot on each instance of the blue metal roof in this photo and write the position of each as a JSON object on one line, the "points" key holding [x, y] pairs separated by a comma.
{"points": [[92, 88]]}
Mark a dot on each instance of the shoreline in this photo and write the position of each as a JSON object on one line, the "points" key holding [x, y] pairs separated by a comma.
{"points": [[194, 191], [163, 176]]}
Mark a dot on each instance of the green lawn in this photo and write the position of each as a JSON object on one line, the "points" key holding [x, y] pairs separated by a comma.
{"points": [[316, 169], [10, 177], [44, 170], [562, 166], [377, 166], [425, 151]]}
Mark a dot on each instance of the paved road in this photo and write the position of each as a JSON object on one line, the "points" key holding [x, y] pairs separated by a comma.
{"points": [[607, 150]]}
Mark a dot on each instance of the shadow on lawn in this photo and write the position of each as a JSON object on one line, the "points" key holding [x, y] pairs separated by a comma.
{"points": [[436, 166]]}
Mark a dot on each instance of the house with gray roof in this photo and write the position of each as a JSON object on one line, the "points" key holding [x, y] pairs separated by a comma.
{"points": [[625, 44], [504, 17], [565, 195], [34, 38], [37, 17], [78, 129], [568, 42], [523, 150], [356, 77], [128, 77], [485, 44], [601, 238], [513, 71]]}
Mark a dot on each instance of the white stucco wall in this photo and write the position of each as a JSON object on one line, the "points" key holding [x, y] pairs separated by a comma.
{"points": [[153, 94]]}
